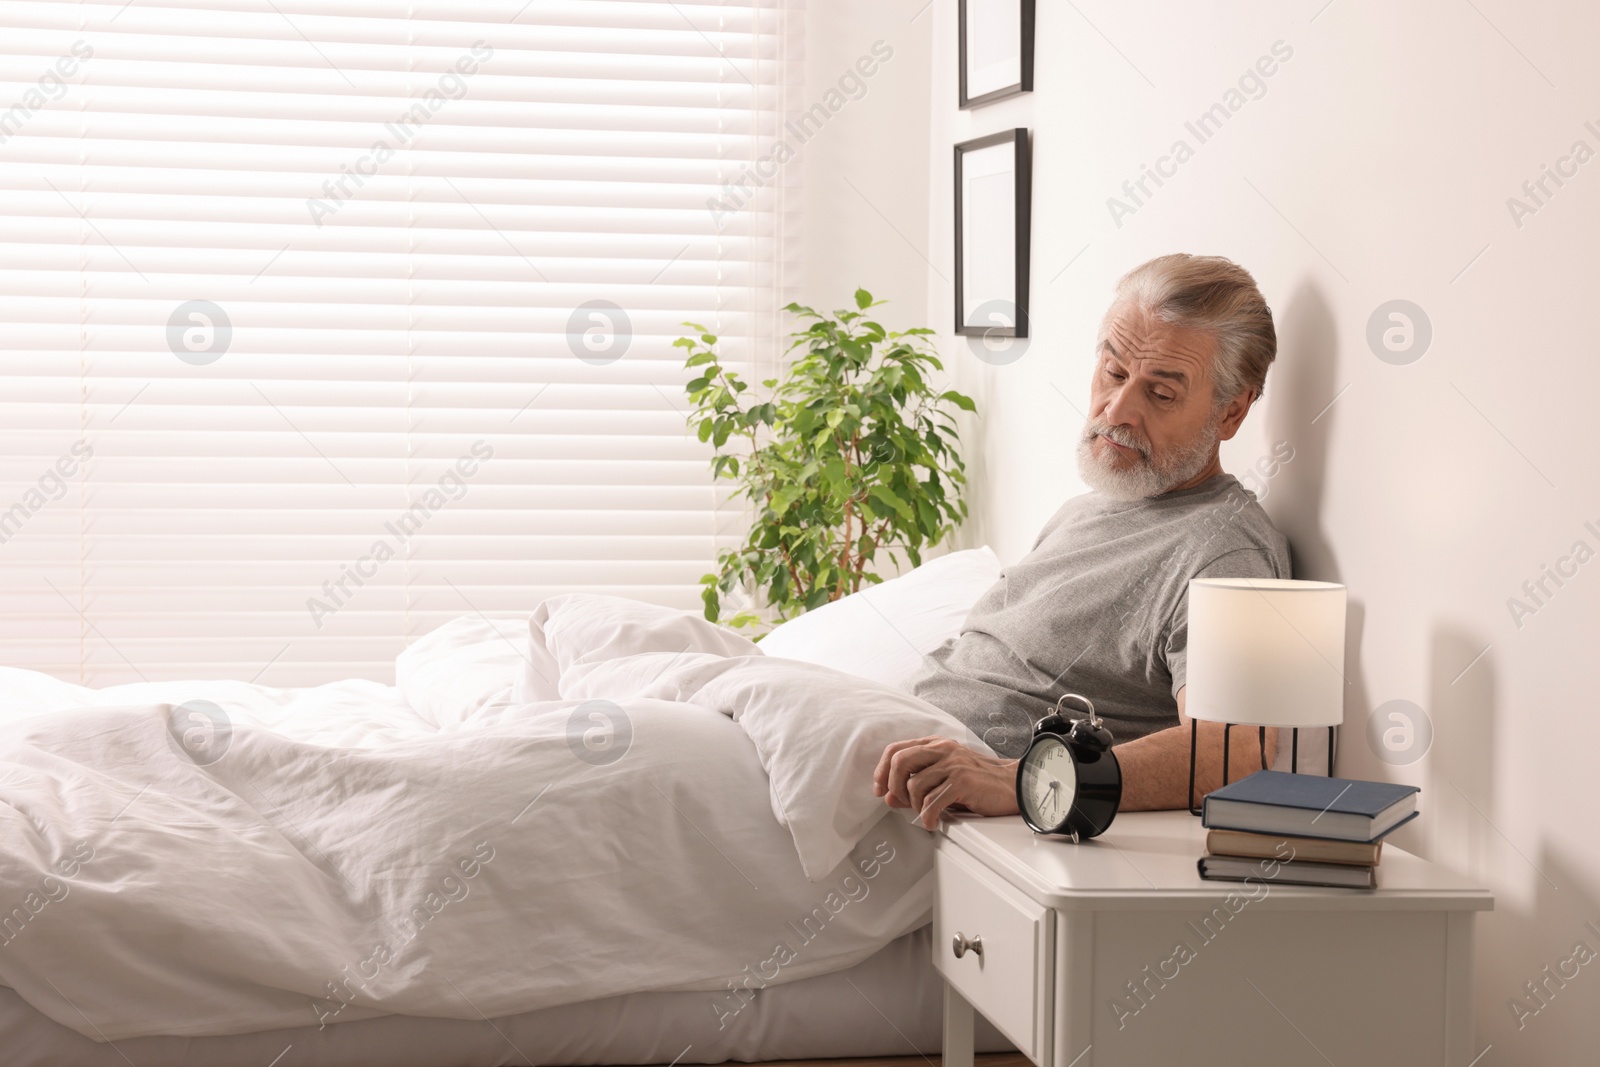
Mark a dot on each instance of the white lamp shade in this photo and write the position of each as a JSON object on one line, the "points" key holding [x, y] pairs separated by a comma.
{"points": [[1265, 652]]}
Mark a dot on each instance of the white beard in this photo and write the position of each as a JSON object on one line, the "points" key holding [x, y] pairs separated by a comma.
{"points": [[1149, 475]]}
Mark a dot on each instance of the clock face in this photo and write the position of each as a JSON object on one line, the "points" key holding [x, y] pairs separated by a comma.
{"points": [[1049, 782]]}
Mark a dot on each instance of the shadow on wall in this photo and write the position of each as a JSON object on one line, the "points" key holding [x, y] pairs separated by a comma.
{"points": [[1302, 385], [1299, 389], [1537, 1005], [1460, 769]]}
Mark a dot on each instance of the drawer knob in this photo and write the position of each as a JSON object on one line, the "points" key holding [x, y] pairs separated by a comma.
{"points": [[962, 944]]}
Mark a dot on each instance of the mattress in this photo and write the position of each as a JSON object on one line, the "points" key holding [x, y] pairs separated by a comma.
{"points": [[890, 1004]]}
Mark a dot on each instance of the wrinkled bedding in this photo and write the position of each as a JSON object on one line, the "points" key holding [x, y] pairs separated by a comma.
{"points": [[606, 798]]}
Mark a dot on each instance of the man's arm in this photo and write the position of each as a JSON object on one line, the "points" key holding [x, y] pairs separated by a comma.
{"points": [[1155, 768], [930, 774]]}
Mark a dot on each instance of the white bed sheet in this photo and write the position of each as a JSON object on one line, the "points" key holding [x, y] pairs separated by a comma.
{"points": [[438, 850], [890, 1004]]}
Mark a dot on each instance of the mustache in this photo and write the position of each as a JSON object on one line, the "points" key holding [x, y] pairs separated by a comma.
{"points": [[1093, 428]]}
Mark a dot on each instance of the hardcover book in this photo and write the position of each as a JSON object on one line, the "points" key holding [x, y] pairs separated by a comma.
{"points": [[1306, 805], [1283, 847], [1295, 872]]}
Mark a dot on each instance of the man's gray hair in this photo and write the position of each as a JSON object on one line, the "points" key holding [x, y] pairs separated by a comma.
{"points": [[1209, 293]]}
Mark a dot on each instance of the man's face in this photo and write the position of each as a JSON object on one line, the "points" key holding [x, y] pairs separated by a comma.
{"points": [[1153, 422]]}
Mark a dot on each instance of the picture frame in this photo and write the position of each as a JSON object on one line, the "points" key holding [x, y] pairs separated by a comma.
{"points": [[993, 218], [994, 50]]}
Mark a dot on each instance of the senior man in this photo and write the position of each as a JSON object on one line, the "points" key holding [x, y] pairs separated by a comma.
{"points": [[1100, 605]]}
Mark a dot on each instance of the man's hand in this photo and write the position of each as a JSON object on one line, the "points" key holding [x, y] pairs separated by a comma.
{"points": [[930, 774]]}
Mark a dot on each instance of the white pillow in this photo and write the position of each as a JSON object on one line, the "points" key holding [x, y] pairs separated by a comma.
{"points": [[450, 674], [570, 632], [580, 628], [884, 631]]}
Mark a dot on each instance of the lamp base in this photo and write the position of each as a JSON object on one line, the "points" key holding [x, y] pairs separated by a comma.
{"points": [[1261, 737], [1194, 737], [1294, 753]]}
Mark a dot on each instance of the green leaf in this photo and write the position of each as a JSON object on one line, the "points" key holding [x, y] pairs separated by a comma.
{"points": [[849, 425], [963, 402], [894, 503]]}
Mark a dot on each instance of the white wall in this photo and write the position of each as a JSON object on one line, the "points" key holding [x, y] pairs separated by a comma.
{"points": [[1376, 166], [865, 199]]}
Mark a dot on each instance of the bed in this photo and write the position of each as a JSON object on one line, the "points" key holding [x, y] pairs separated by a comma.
{"points": [[608, 833], [888, 1005]]}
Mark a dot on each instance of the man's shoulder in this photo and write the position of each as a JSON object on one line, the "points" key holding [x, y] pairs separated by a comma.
{"points": [[1228, 521]]}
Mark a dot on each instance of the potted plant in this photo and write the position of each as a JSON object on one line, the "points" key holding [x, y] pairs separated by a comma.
{"points": [[851, 452]]}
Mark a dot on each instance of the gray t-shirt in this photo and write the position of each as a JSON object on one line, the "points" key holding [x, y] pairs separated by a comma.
{"points": [[1099, 607]]}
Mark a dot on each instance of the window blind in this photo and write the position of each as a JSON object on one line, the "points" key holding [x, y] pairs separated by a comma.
{"points": [[326, 321]]}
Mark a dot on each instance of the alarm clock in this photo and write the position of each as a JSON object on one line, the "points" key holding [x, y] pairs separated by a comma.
{"points": [[1069, 782]]}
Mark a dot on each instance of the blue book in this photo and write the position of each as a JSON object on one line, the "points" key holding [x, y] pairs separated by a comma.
{"points": [[1308, 805]]}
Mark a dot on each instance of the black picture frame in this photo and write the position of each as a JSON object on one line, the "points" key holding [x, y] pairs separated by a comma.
{"points": [[1023, 190], [1025, 82]]}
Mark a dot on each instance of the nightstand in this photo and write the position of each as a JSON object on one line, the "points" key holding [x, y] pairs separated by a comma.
{"points": [[1116, 953]]}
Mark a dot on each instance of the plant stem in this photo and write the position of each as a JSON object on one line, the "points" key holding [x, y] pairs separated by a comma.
{"points": [[846, 570], [869, 552]]}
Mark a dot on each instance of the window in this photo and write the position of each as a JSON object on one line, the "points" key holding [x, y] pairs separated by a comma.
{"points": [[326, 321]]}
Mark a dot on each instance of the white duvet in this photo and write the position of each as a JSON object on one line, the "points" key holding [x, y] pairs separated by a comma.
{"points": [[624, 799]]}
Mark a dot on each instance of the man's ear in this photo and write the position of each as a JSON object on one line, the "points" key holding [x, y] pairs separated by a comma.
{"points": [[1233, 414]]}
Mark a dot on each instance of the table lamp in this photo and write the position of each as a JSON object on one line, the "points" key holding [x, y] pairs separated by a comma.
{"points": [[1264, 652]]}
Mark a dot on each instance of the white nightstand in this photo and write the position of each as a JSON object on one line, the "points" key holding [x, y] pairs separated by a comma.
{"points": [[1073, 952]]}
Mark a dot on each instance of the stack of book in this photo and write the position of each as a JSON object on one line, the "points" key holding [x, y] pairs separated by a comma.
{"points": [[1302, 829]]}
